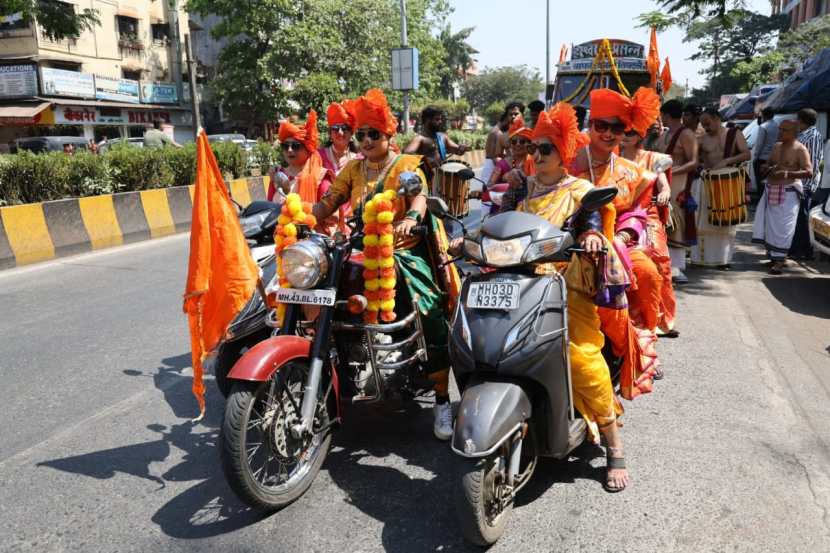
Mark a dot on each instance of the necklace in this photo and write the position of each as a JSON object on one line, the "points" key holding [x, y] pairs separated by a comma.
{"points": [[591, 165], [379, 168]]}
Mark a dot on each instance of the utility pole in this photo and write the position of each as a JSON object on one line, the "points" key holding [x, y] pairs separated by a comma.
{"points": [[547, 48], [194, 100], [404, 44], [176, 65]]}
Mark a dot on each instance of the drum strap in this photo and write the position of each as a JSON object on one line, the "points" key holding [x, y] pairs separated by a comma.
{"points": [[730, 142], [441, 141], [673, 142]]}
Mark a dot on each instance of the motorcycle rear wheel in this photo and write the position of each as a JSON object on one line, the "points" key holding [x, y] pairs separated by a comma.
{"points": [[480, 511], [265, 466]]}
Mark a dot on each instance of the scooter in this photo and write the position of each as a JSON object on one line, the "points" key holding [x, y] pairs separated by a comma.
{"points": [[509, 352], [258, 221]]}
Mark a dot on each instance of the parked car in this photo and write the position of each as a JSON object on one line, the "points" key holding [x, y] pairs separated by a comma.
{"points": [[39, 144], [137, 142], [820, 227], [236, 138]]}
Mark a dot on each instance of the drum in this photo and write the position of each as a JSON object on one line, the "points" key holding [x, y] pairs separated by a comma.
{"points": [[454, 190], [725, 191]]}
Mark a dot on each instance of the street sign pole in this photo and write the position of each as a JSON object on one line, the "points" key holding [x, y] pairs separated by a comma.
{"points": [[191, 73], [404, 44]]}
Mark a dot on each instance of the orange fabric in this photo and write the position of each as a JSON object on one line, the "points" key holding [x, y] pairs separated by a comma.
{"points": [[645, 299], [653, 59], [560, 127], [308, 179], [517, 128], [665, 76], [637, 112], [563, 54], [617, 327], [529, 166], [372, 110], [340, 114], [221, 273]]}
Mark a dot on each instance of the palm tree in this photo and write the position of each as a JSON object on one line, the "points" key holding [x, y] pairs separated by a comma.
{"points": [[458, 57]]}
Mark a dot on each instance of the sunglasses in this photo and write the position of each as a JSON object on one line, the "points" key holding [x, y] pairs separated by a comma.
{"points": [[632, 134], [292, 146], [373, 134], [342, 129], [544, 149], [519, 141], [604, 126]]}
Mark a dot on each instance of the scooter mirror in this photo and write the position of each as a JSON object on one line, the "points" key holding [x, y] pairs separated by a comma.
{"points": [[466, 174], [598, 197], [437, 207], [410, 184]]}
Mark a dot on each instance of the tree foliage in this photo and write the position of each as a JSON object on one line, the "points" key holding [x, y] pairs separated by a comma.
{"points": [[277, 44], [458, 57], [58, 20], [503, 84]]}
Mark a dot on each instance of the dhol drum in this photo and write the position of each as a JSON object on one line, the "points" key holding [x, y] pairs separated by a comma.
{"points": [[454, 190], [725, 191]]}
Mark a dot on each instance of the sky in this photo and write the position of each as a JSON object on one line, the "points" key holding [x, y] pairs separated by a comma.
{"points": [[512, 32]]}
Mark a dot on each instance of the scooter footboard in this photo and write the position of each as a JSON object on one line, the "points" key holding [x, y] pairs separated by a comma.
{"points": [[490, 412]]}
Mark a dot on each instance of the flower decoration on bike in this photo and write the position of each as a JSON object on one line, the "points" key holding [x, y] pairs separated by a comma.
{"points": [[294, 212], [379, 261]]}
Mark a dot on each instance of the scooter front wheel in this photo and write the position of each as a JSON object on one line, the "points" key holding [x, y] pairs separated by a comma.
{"points": [[483, 498], [264, 463]]}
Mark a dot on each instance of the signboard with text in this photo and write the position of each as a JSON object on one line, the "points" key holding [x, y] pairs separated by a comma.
{"points": [[18, 81], [117, 90], [620, 49], [159, 93], [102, 115], [58, 82]]}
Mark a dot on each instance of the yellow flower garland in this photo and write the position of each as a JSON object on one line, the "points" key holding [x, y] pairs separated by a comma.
{"points": [[378, 253], [294, 212]]}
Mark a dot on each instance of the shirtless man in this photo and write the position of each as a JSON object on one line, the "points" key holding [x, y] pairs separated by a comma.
{"points": [[719, 148], [498, 140], [775, 220], [679, 142], [433, 143]]}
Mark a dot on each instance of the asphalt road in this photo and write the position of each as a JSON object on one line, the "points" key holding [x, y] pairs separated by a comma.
{"points": [[97, 452]]}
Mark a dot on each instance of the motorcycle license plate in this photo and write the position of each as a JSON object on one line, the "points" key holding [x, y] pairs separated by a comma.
{"points": [[306, 297], [493, 295]]}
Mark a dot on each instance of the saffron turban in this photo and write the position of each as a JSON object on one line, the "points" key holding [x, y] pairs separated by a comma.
{"points": [[638, 112], [372, 110], [560, 127], [340, 114]]}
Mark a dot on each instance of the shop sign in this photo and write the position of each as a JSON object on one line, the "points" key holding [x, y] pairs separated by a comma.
{"points": [[117, 90], [158, 93], [147, 117], [18, 81], [58, 82], [85, 115], [620, 49]]}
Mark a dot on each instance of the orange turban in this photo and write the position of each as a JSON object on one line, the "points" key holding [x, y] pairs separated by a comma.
{"points": [[308, 179], [372, 110], [560, 127], [517, 128], [637, 113], [340, 114]]}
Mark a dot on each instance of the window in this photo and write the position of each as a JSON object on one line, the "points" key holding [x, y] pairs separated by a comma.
{"points": [[13, 22], [132, 75], [161, 33], [127, 27]]}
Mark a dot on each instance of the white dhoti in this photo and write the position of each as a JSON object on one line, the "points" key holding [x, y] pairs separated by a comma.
{"points": [[715, 244], [774, 224], [487, 170], [676, 239]]}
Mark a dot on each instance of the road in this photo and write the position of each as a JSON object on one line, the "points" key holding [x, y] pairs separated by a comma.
{"points": [[97, 452]]}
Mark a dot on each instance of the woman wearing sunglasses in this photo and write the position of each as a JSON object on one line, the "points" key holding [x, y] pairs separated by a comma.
{"points": [[340, 149], [654, 201], [359, 181], [555, 195], [632, 331]]}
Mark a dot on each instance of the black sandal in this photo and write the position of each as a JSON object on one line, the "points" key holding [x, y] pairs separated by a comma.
{"points": [[610, 464]]}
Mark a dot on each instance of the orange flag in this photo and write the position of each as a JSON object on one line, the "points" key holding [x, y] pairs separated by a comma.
{"points": [[653, 60], [665, 76], [563, 54], [221, 274]]}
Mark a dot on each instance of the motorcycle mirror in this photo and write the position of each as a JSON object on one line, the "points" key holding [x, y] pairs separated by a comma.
{"points": [[598, 197], [466, 174], [437, 207], [410, 184]]}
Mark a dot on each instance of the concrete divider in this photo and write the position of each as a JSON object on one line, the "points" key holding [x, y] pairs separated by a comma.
{"points": [[31, 233]]}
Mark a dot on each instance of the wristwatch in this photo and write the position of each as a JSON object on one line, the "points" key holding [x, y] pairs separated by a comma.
{"points": [[414, 215]]}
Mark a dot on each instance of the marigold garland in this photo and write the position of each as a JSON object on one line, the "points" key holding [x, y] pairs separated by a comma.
{"points": [[294, 212], [379, 263]]}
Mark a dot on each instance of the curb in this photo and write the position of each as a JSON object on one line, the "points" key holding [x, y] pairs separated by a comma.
{"points": [[31, 233]]}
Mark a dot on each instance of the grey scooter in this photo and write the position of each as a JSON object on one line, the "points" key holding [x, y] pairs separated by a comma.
{"points": [[509, 352]]}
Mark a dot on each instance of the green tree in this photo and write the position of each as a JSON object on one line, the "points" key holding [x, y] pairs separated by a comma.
{"points": [[58, 20], [503, 84], [317, 91], [458, 57]]}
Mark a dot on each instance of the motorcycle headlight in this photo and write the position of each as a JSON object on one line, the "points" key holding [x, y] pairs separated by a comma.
{"points": [[504, 253], [542, 249], [252, 224], [304, 264]]}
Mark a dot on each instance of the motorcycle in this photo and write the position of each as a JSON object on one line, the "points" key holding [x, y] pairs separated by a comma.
{"points": [[287, 392], [258, 221], [509, 353]]}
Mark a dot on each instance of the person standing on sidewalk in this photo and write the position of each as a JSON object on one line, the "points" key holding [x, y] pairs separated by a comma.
{"points": [[767, 137], [811, 138]]}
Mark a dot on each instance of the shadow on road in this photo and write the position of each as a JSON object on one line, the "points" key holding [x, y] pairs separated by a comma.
{"points": [[803, 295]]}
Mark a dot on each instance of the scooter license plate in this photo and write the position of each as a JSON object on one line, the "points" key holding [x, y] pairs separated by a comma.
{"points": [[306, 297], [493, 295]]}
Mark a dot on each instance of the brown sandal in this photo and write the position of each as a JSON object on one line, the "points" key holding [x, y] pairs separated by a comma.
{"points": [[610, 464]]}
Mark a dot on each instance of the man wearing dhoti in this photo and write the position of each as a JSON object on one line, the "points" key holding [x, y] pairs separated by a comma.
{"points": [[719, 149], [775, 220]]}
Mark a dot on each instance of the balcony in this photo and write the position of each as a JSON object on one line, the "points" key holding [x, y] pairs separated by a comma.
{"points": [[130, 45], [65, 45]]}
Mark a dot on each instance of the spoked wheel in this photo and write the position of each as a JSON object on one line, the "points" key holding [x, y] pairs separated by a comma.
{"points": [[483, 498], [265, 465]]}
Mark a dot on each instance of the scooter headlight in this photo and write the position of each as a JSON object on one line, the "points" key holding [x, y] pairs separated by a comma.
{"points": [[543, 249], [472, 250], [304, 264], [504, 253]]}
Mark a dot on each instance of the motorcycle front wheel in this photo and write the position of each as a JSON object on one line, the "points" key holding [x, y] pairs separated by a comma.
{"points": [[264, 464], [482, 500]]}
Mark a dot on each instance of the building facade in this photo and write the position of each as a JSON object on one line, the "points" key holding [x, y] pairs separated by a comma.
{"points": [[801, 11], [112, 81]]}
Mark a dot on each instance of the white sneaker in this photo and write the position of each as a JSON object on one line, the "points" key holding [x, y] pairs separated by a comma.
{"points": [[443, 420]]}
